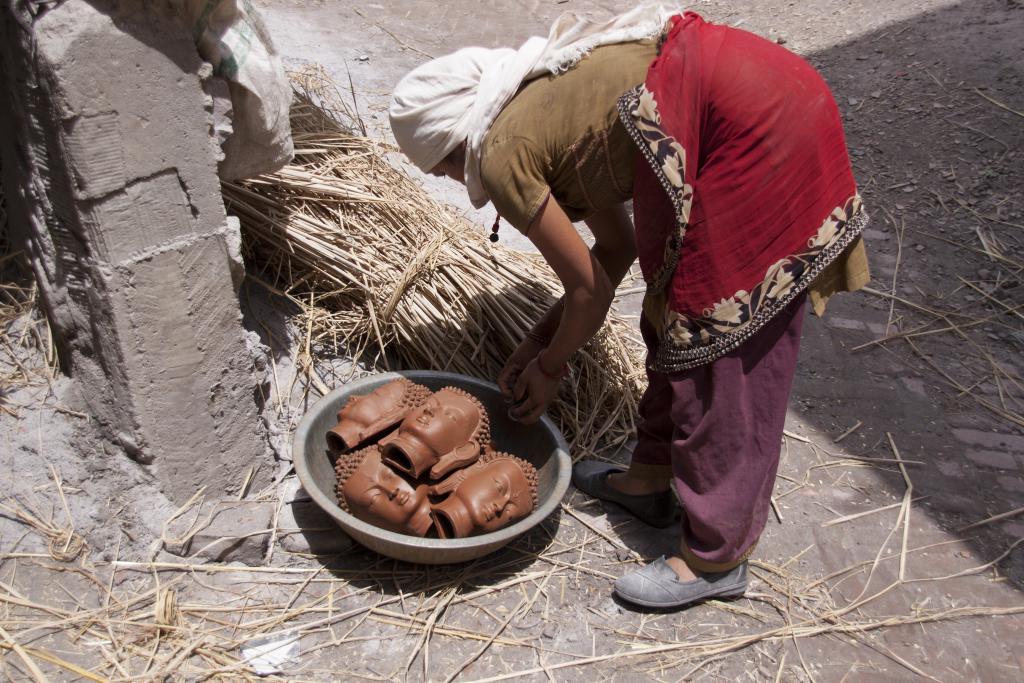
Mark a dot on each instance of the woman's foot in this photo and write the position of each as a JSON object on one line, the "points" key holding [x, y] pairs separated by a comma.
{"points": [[682, 569], [651, 505], [635, 486], [669, 583]]}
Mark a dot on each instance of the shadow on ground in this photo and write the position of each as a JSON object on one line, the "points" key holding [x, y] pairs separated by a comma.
{"points": [[367, 569], [933, 156]]}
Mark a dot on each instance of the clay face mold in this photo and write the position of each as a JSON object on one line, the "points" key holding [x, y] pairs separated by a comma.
{"points": [[366, 416], [373, 492], [496, 491], [450, 430]]}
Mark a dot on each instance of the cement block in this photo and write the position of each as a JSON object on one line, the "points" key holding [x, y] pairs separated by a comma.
{"points": [[133, 67], [139, 216], [115, 157], [189, 375], [96, 154]]}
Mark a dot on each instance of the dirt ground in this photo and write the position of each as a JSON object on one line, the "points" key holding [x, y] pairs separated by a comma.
{"points": [[925, 366]]}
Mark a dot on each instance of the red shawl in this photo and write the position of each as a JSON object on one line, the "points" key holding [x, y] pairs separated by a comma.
{"points": [[745, 191]]}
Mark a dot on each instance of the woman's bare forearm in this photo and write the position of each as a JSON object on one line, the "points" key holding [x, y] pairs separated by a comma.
{"points": [[575, 318], [583, 313], [545, 328], [616, 253], [615, 241]]}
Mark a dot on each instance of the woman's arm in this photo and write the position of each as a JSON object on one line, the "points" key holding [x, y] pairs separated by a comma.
{"points": [[589, 289], [615, 250], [615, 241], [589, 277]]}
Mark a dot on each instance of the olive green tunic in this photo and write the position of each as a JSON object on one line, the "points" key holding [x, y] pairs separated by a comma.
{"points": [[563, 132]]}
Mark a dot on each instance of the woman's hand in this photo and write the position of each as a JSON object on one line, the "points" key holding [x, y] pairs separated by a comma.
{"points": [[534, 391], [516, 363]]}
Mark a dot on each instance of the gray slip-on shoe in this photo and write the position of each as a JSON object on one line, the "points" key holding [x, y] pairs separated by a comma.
{"points": [[657, 509], [657, 585]]}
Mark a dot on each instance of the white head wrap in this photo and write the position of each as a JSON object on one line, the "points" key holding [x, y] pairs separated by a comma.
{"points": [[456, 98]]}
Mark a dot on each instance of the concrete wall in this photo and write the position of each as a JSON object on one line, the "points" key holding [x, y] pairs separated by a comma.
{"points": [[110, 170]]}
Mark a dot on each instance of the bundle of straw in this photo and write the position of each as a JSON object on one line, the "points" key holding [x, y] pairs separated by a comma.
{"points": [[398, 280]]}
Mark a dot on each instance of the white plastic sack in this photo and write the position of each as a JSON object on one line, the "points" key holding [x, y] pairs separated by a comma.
{"points": [[232, 37]]}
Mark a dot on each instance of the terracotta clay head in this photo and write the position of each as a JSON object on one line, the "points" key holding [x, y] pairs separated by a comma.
{"points": [[450, 430], [498, 490], [366, 416], [373, 492]]}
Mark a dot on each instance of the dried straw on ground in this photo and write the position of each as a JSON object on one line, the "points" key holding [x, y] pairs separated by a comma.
{"points": [[378, 265], [23, 328], [123, 620]]}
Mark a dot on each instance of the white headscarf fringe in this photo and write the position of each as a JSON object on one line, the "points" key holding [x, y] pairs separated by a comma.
{"points": [[651, 22]]}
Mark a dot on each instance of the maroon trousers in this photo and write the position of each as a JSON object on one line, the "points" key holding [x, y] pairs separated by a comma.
{"points": [[719, 428]]}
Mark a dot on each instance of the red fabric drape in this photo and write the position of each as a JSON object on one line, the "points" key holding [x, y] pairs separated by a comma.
{"points": [[764, 163]]}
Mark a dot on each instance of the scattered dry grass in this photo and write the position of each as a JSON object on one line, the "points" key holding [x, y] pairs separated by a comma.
{"points": [[28, 356], [975, 313], [115, 620]]}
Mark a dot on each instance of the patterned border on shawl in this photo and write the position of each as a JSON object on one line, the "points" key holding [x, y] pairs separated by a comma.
{"points": [[639, 114], [735, 319], [673, 357]]}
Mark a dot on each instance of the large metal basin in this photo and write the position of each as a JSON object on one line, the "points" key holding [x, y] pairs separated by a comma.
{"points": [[541, 443]]}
